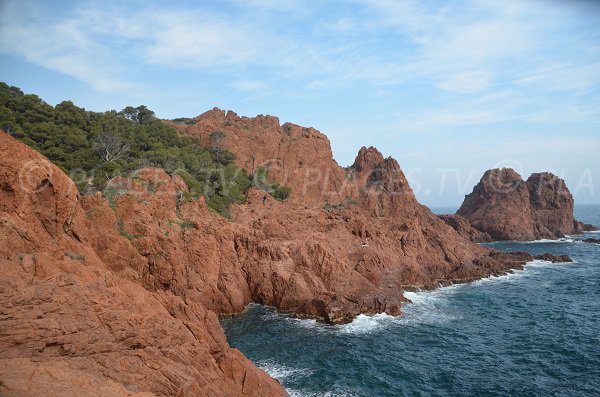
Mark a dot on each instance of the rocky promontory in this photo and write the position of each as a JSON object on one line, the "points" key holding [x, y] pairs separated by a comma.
{"points": [[120, 294], [505, 207]]}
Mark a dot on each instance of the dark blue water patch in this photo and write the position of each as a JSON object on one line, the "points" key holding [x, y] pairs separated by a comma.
{"points": [[533, 332]]}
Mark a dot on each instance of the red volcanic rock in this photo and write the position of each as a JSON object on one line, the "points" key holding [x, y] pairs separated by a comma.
{"points": [[464, 228], [294, 156], [125, 300], [76, 318], [508, 208]]}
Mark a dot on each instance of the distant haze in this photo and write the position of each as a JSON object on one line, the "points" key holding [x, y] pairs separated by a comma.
{"points": [[448, 90]]}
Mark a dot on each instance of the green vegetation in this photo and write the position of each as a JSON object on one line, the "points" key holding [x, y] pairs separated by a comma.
{"points": [[93, 148], [259, 179], [187, 224], [185, 120], [75, 257], [121, 226], [332, 207]]}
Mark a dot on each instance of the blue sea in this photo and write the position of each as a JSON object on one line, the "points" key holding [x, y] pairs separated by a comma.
{"points": [[534, 332]]}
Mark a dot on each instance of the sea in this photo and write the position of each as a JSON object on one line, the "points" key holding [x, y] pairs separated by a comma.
{"points": [[533, 332]]}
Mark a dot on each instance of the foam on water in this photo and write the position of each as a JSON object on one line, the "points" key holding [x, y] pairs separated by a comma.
{"points": [[298, 393], [363, 324], [513, 275], [281, 372], [545, 241], [429, 307]]}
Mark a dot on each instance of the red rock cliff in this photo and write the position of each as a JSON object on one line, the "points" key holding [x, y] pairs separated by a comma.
{"points": [[76, 319], [124, 299], [508, 208], [294, 156]]}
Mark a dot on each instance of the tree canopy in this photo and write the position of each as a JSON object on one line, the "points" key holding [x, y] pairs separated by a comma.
{"points": [[94, 147]]}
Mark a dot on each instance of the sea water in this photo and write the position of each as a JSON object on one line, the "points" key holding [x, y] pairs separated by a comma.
{"points": [[533, 332]]}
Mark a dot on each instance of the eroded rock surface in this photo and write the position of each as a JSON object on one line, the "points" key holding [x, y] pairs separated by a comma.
{"points": [[506, 207], [75, 318], [121, 297]]}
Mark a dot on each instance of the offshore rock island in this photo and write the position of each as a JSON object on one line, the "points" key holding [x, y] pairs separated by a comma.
{"points": [[503, 206], [118, 292]]}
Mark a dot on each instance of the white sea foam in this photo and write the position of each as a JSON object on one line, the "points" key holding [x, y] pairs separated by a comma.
{"points": [[364, 324], [304, 323], [299, 393], [544, 240], [429, 307], [513, 275], [282, 372]]}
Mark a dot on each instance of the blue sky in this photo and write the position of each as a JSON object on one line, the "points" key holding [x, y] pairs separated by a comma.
{"points": [[449, 89]]}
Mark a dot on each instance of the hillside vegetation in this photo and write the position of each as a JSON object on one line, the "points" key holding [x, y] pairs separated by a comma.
{"points": [[93, 148]]}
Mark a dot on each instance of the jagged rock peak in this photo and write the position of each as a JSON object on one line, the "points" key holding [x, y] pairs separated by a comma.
{"points": [[499, 180], [219, 115], [370, 158], [508, 208]]}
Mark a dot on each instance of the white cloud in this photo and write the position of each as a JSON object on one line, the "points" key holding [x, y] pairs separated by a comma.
{"points": [[63, 47], [198, 41], [250, 85], [466, 82], [568, 77]]}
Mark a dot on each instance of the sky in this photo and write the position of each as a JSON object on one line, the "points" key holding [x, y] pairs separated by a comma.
{"points": [[449, 89]]}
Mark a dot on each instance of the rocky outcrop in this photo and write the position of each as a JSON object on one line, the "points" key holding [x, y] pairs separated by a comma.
{"points": [[464, 228], [76, 319], [294, 156], [122, 296], [588, 227], [592, 240], [508, 208]]}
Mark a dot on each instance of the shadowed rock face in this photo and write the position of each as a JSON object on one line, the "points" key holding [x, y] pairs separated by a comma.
{"points": [[124, 301], [464, 228], [508, 208]]}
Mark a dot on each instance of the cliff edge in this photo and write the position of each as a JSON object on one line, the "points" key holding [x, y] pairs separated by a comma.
{"points": [[76, 316]]}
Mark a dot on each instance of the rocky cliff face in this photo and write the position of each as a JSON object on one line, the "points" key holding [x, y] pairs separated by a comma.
{"points": [[76, 319], [121, 296], [294, 156], [506, 207]]}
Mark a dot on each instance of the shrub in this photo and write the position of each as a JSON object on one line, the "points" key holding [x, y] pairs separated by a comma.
{"points": [[75, 257], [76, 139], [187, 224]]}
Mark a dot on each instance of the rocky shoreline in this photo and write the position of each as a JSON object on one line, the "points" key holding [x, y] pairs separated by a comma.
{"points": [[123, 298]]}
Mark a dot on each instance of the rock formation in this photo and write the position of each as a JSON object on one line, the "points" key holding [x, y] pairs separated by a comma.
{"points": [[294, 156], [508, 208], [464, 228], [76, 319], [121, 297]]}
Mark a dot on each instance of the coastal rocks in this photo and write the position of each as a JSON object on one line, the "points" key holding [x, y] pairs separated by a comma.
{"points": [[464, 228], [592, 240], [76, 318], [586, 227], [508, 208], [121, 291]]}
